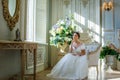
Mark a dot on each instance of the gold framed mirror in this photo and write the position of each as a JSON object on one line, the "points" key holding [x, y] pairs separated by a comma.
{"points": [[11, 16]]}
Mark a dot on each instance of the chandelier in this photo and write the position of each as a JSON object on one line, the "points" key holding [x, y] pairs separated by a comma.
{"points": [[107, 6]]}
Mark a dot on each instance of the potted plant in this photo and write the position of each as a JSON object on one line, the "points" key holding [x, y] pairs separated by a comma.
{"points": [[118, 60], [106, 50], [109, 55]]}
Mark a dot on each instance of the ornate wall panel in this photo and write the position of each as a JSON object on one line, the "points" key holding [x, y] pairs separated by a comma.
{"points": [[41, 57]]}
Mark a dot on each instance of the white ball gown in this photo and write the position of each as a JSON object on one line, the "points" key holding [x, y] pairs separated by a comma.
{"points": [[71, 67]]}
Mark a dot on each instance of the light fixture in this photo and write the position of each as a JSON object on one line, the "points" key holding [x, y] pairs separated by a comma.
{"points": [[66, 2], [85, 2], [107, 6]]}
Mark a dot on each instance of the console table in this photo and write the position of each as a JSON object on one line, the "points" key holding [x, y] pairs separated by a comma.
{"points": [[23, 47]]}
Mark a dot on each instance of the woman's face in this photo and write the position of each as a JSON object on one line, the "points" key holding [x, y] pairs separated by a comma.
{"points": [[75, 36]]}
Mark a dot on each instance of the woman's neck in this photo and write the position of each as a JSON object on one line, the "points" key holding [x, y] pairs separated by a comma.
{"points": [[77, 41]]}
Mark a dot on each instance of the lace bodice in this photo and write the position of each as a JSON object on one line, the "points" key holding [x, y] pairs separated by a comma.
{"points": [[79, 48]]}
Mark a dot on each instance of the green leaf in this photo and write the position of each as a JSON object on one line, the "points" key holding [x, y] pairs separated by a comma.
{"points": [[108, 51]]}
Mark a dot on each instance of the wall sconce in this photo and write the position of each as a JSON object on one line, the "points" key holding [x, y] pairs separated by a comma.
{"points": [[107, 6], [66, 2], [85, 2]]}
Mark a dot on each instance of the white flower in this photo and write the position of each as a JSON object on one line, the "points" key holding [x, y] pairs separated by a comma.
{"points": [[61, 32]]}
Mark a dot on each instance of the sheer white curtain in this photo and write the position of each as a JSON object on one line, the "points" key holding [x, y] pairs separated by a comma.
{"points": [[30, 28], [41, 21], [58, 10], [37, 20]]}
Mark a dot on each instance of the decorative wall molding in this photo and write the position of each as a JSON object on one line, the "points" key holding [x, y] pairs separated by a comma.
{"points": [[109, 38], [40, 58]]}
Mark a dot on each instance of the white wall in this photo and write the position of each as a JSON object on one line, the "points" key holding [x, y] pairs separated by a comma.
{"points": [[9, 59], [110, 24]]}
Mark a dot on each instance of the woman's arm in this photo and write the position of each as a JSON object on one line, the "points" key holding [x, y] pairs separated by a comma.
{"points": [[70, 48]]}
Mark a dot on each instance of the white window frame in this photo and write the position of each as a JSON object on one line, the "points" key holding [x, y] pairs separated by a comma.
{"points": [[32, 34]]}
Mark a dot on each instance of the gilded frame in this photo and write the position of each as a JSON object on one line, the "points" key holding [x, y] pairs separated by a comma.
{"points": [[11, 20]]}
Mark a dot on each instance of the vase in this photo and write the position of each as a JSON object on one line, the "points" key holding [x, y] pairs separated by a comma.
{"points": [[118, 65], [63, 48], [109, 62], [62, 51]]}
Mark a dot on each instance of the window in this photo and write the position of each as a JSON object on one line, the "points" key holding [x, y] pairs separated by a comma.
{"points": [[36, 21]]}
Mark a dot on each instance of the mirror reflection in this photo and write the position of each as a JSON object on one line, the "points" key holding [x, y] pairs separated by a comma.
{"points": [[12, 6]]}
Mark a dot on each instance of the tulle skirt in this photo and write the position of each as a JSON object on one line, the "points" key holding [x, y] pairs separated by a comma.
{"points": [[70, 67]]}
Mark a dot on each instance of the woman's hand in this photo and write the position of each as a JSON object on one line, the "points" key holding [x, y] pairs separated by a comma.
{"points": [[74, 54], [82, 53], [78, 53]]}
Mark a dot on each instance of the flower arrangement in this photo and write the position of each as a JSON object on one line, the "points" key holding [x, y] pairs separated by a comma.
{"points": [[61, 32]]}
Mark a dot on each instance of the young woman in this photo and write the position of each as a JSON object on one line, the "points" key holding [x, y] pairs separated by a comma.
{"points": [[74, 65]]}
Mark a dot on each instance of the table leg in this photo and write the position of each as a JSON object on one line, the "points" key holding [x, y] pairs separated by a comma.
{"points": [[35, 63], [22, 64]]}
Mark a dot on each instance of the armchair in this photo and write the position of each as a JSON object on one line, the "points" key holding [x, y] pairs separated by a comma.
{"points": [[93, 58], [92, 49]]}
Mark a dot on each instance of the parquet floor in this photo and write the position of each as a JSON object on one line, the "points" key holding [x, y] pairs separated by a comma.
{"points": [[104, 74], [92, 75]]}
